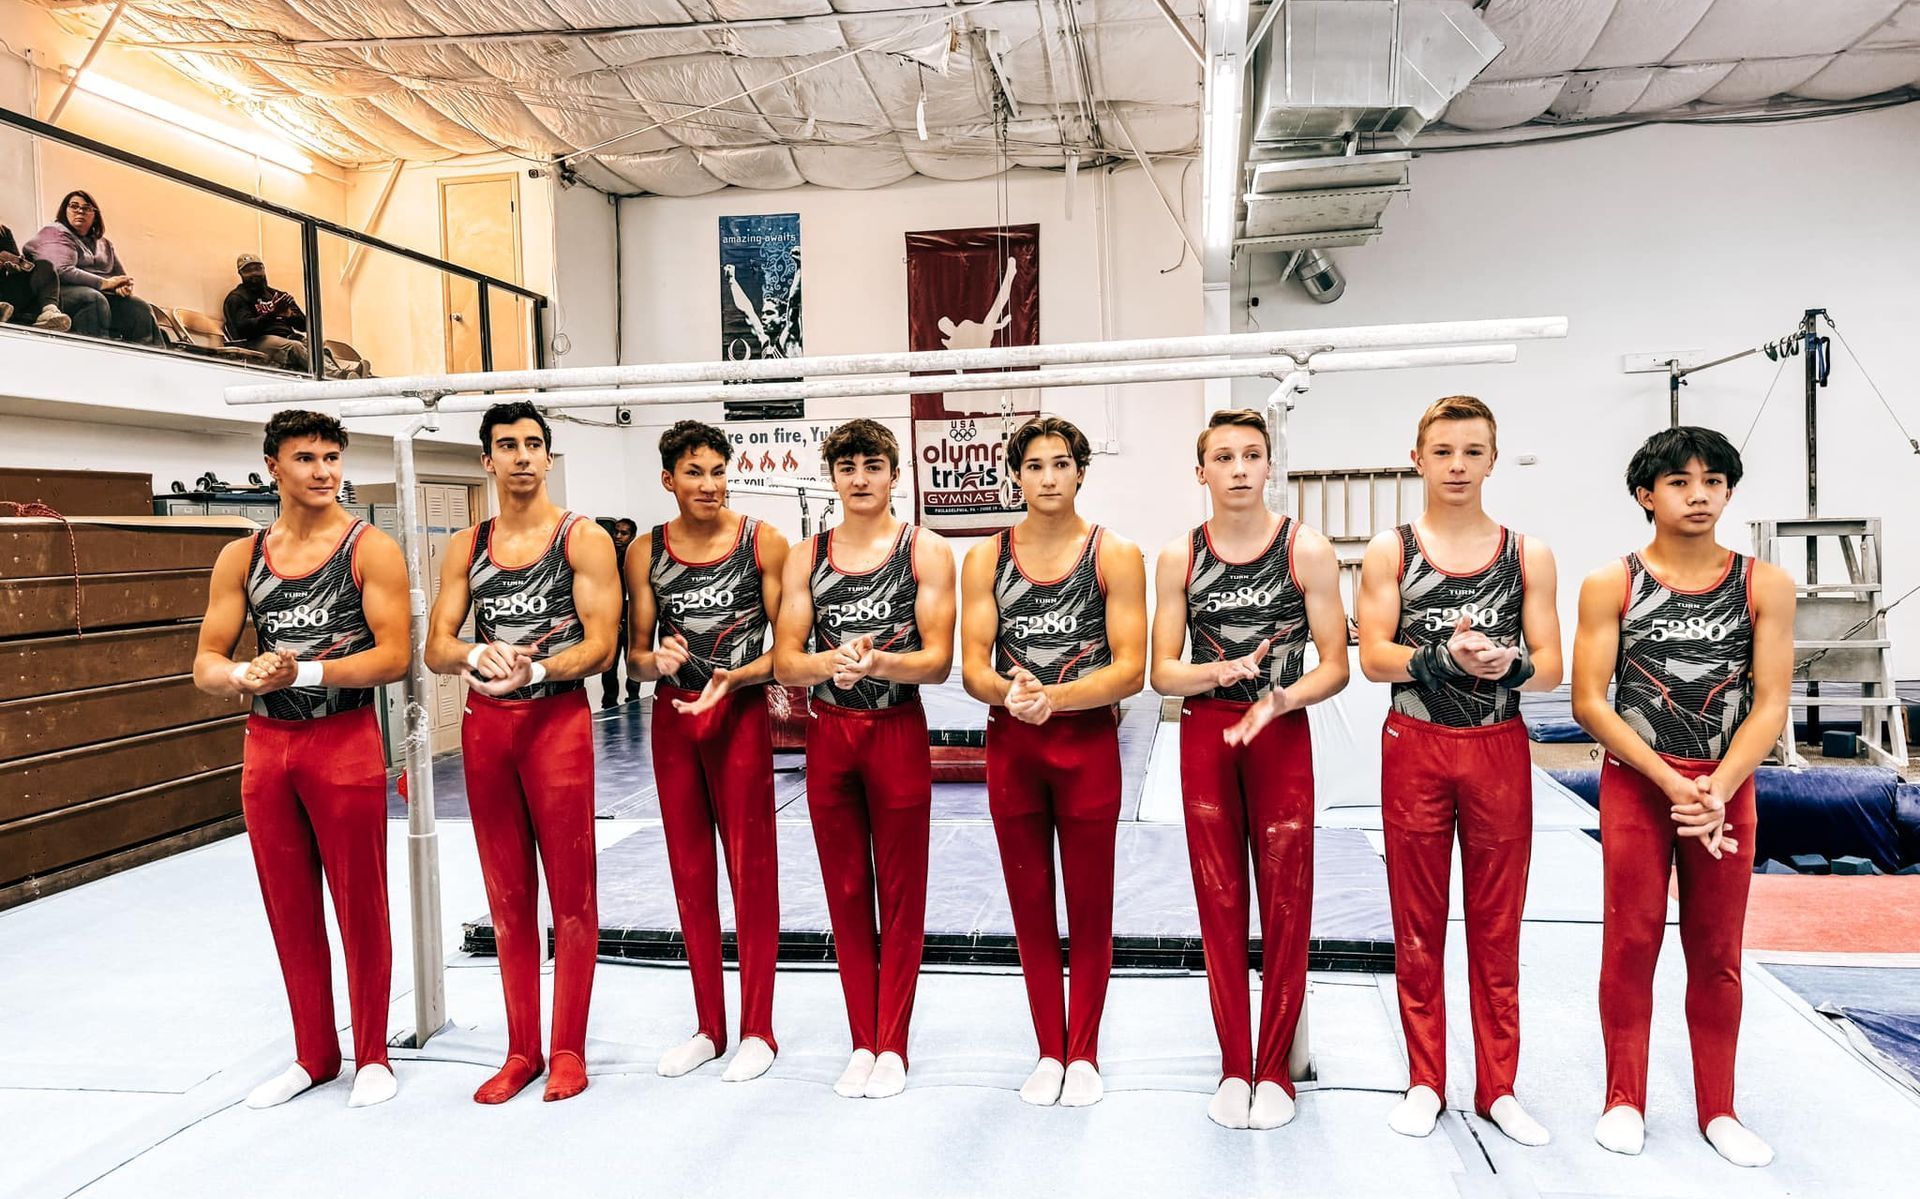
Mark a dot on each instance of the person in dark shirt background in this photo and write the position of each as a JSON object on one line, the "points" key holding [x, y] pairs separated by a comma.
{"points": [[263, 318], [624, 531], [29, 290]]}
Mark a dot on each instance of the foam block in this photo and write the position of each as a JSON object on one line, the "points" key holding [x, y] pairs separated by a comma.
{"points": [[1772, 867], [1810, 863], [1852, 865], [1836, 743]]}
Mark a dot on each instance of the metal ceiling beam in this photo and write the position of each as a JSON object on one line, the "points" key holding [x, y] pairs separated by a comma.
{"points": [[524, 35]]}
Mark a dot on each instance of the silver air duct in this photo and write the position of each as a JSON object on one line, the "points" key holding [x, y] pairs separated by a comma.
{"points": [[1322, 279]]}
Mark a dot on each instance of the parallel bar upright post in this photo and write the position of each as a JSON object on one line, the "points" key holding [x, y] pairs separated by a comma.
{"points": [[316, 324], [423, 840], [486, 330], [1809, 332]]}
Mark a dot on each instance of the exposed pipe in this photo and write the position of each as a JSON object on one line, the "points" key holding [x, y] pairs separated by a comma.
{"points": [[525, 35], [372, 222], [99, 40], [417, 688], [1298, 342], [1179, 27], [1140, 156], [1266, 23], [1066, 376]]}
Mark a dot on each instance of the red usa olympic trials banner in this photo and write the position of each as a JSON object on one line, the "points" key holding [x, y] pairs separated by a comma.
{"points": [[970, 289]]}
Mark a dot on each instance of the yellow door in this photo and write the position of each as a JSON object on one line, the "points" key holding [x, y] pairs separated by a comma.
{"points": [[480, 230]]}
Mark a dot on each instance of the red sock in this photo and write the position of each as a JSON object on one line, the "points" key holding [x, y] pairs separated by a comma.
{"points": [[567, 1078], [510, 1081]]}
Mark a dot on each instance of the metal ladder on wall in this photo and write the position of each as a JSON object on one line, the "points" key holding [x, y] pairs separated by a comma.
{"points": [[1840, 633]]}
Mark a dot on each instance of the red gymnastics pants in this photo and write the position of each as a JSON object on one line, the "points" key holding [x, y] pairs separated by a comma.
{"points": [[1432, 778], [529, 767], [314, 793], [1258, 795], [869, 796], [1641, 849], [715, 774], [1061, 777]]}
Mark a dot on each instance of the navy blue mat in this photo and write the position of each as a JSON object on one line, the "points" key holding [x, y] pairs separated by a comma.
{"points": [[1828, 810], [1155, 920], [1883, 1002]]}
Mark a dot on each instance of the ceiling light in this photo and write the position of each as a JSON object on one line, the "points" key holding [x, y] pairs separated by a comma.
{"points": [[248, 141]]}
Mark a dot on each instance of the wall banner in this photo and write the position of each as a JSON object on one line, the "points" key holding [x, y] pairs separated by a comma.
{"points": [[760, 300], [971, 289]]}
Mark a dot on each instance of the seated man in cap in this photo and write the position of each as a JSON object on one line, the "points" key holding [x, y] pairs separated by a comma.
{"points": [[265, 319]]}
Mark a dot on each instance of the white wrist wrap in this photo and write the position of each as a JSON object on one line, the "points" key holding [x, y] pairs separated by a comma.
{"points": [[473, 657], [538, 675], [307, 674], [239, 672]]}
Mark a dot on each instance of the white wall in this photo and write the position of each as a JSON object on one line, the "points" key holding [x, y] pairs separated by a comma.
{"points": [[855, 292], [1668, 238], [398, 305]]}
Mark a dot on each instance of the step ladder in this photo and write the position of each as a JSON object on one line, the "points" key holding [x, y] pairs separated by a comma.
{"points": [[1839, 632]]}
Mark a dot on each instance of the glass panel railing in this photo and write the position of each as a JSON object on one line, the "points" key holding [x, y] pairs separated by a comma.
{"points": [[151, 255]]}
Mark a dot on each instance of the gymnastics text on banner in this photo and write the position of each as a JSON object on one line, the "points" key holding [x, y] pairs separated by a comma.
{"points": [[970, 289]]}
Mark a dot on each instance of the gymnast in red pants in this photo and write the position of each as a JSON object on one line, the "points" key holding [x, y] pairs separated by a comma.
{"points": [[1053, 637], [702, 588], [1248, 589], [1698, 642], [866, 619], [327, 595], [1457, 612], [544, 589]]}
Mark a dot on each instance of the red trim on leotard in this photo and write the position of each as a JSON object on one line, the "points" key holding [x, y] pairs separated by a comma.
{"points": [[535, 561], [1707, 590], [861, 574], [266, 555], [666, 543], [1467, 574]]}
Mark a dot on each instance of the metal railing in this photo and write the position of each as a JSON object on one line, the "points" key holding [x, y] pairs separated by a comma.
{"points": [[310, 227]]}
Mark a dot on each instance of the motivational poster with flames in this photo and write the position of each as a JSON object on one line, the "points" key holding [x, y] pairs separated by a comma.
{"points": [[971, 289]]}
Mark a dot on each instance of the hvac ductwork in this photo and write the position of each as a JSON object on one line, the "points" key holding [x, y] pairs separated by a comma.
{"points": [[1332, 70]]}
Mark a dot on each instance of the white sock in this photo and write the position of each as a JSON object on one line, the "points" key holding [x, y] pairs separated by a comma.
{"points": [[1272, 1107], [1416, 1114], [1735, 1142], [281, 1087], [889, 1077], [1228, 1107], [1512, 1119], [853, 1080], [1621, 1129], [372, 1084], [750, 1061], [1042, 1088], [1082, 1087], [682, 1059]]}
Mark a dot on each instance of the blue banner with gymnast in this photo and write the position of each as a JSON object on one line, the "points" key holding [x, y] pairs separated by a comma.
{"points": [[760, 286]]}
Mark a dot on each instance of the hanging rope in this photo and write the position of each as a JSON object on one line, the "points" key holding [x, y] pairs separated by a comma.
{"points": [[1768, 399], [1874, 386], [31, 508]]}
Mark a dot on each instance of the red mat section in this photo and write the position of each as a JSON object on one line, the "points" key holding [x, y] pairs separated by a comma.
{"points": [[1828, 914]]}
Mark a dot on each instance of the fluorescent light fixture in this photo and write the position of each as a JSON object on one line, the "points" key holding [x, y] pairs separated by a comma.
{"points": [[245, 140]]}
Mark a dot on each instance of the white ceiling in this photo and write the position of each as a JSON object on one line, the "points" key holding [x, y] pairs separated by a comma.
{"points": [[679, 97], [1569, 60]]}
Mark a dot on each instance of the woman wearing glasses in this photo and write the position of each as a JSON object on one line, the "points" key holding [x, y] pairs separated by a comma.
{"points": [[95, 289]]}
